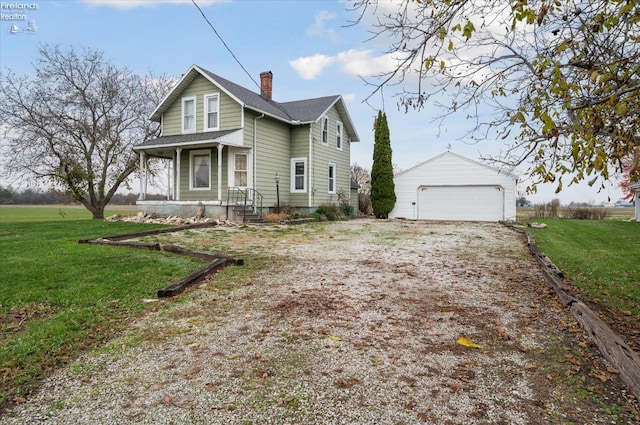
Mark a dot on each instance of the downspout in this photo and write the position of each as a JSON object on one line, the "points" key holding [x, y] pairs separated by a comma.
{"points": [[255, 144]]}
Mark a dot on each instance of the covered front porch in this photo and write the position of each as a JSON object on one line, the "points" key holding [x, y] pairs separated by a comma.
{"points": [[208, 174]]}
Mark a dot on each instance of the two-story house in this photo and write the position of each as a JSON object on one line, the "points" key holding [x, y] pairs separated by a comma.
{"points": [[228, 145]]}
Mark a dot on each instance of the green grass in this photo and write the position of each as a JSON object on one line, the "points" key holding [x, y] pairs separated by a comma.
{"points": [[59, 298], [601, 257], [26, 213]]}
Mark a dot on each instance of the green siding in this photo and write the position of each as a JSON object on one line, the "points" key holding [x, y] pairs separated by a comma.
{"points": [[202, 195], [325, 154], [230, 111], [276, 143], [272, 156], [299, 149]]}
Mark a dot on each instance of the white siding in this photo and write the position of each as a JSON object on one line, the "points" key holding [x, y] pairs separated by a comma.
{"points": [[465, 178]]}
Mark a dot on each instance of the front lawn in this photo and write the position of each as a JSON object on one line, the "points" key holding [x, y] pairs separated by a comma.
{"points": [[602, 257], [59, 298]]}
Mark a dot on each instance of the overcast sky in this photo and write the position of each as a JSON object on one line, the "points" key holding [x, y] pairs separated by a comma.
{"points": [[308, 45]]}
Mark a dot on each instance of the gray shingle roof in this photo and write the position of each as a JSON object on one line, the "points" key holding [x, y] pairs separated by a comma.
{"points": [[309, 110], [249, 98], [296, 112], [185, 138]]}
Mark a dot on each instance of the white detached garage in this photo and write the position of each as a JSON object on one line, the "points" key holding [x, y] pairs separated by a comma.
{"points": [[452, 187]]}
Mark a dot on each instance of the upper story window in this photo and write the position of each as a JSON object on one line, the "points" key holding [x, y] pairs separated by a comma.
{"points": [[189, 114], [325, 130], [211, 112], [339, 135]]}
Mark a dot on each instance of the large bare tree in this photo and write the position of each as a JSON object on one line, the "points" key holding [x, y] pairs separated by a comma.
{"points": [[75, 121], [557, 80]]}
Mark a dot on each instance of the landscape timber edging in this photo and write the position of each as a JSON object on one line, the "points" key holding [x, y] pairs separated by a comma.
{"points": [[214, 261], [612, 347]]}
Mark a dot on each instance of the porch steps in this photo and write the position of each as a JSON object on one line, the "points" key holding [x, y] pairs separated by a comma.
{"points": [[247, 215]]}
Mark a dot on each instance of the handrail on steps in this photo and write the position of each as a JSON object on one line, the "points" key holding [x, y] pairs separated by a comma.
{"points": [[244, 197]]}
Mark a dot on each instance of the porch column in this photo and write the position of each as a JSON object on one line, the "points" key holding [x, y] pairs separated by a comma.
{"points": [[143, 177], [177, 188], [169, 180], [220, 146]]}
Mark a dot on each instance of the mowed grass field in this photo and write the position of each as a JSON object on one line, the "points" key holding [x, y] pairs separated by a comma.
{"points": [[59, 298], [602, 257]]}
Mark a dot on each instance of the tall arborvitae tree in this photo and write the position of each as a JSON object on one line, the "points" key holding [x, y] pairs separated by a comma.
{"points": [[383, 192]]}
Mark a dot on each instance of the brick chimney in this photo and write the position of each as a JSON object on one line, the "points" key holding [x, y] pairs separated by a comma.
{"points": [[266, 80]]}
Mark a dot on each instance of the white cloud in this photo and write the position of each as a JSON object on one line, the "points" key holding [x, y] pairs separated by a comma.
{"points": [[310, 67], [359, 63], [363, 63], [319, 28], [131, 4], [348, 98]]}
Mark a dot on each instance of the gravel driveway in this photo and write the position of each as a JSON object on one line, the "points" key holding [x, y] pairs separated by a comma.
{"points": [[352, 322]]}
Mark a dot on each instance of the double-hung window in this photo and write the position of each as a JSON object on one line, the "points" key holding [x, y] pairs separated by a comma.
{"points": [[339, 135], [211, 112], [332, 178], [298, 175], [325, 130], [240, 169], [189, 114], [200, 170]]}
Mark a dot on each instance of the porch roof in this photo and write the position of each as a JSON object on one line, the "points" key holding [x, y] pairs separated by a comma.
{"points": [[164, 146]]}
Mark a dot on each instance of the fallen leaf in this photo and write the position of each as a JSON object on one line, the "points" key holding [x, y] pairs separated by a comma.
{"points": [[19, 400], [185, 403], [599, 376], [233, 357], [335, 338], [166, 399], [613, 370], [194, 345], [467, 342], [572, 360]]}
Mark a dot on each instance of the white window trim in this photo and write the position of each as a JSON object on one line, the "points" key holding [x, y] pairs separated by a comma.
{"points": [[335, 178], [205, 121], [293, 175], [324, 131], [195, 115], [191, 168], [339, 135], [232, 169]]}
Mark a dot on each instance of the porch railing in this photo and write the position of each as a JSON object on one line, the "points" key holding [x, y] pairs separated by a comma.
{"points": [[244, 197]]}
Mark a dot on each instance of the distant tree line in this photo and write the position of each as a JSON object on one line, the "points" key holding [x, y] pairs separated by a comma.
{"points": [[54, 196]]}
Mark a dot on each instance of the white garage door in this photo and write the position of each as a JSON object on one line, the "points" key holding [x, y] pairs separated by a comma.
{"points": [[467, 203]]}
